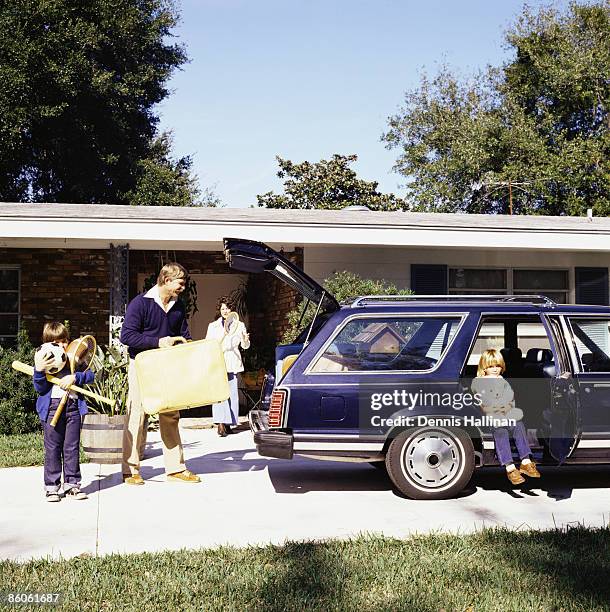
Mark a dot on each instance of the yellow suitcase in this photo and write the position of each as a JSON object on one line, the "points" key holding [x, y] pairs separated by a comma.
{"points": [[182, 376]]}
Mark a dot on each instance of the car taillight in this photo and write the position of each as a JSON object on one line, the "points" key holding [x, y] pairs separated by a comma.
{"points": [[276, 408]]}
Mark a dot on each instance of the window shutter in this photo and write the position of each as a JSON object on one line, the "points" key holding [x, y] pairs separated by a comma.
{"points": [[427, 279], [591, 286]]}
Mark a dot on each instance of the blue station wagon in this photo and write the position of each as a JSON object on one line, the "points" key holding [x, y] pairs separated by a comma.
{"points": [[387, 380]]}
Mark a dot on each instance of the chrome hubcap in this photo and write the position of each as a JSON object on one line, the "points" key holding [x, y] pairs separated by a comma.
{"points": [[431, 459]]}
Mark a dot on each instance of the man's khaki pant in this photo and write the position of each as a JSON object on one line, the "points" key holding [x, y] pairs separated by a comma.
{"points": [[134, 435]]}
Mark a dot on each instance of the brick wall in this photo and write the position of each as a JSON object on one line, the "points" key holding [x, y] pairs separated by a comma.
{"points": [[73, 284], [63, 284], [272, 300]]}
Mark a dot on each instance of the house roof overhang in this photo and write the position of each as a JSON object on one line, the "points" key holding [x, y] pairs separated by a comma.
{"points": [[155, 227]]}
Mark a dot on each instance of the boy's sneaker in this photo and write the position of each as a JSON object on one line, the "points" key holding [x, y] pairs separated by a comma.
{"points": [[53, 496], [76, 493]]}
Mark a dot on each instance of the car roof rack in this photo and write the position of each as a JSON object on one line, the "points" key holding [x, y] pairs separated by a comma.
{"points": [[540, 300]]}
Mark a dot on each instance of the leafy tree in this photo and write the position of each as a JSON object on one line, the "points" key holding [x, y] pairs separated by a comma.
{"points": [[345, 286], [327, 184], [79, 85], [164, 182], [538, 127]]}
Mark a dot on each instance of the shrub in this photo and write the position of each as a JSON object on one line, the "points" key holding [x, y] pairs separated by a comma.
{"points": [[344, 286], [17, 394]]}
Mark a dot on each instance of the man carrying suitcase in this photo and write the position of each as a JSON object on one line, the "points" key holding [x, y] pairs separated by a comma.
{"points": [[155, 319]]}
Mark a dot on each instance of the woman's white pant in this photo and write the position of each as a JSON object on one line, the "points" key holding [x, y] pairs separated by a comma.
{"points": [[227, 412]]}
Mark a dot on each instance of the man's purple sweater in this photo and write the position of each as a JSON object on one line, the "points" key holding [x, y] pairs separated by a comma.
{"points": [[146, 322]]}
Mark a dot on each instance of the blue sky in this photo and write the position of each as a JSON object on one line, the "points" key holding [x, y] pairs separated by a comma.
{"points": [[304, 79]]}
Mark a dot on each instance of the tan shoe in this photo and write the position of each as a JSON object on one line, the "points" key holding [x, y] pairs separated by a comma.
{"points": [[134, 479], [529, 469], [515, 477], [185, 476]]}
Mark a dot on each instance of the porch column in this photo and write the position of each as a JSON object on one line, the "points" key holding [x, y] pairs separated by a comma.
{"points": [[119, 290]]}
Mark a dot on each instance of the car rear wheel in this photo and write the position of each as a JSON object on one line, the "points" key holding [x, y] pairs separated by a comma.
{"points": [[430, 462]]}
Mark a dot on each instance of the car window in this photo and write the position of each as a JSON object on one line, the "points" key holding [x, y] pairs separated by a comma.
{"points": [[495, 333], [532, 336], [592, 341], [491, 336], [389, 343]]}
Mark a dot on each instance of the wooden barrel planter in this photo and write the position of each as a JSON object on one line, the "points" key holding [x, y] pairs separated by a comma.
{"points": [[102, 437]]}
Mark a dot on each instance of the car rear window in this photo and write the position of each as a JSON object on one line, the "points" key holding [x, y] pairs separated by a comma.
{"points": [[389, 343]]}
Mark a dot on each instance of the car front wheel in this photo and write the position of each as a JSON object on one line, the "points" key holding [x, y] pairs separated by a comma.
{"points": [[430, 462]]}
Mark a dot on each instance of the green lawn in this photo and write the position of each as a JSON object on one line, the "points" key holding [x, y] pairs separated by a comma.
{"points": [[490, 570], [19, 450]]}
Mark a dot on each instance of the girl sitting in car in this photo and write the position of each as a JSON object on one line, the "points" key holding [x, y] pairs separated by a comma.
{"points": [[498, 401]]}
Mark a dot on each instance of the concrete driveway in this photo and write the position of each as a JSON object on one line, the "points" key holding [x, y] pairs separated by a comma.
{"points": [[246, 499]]}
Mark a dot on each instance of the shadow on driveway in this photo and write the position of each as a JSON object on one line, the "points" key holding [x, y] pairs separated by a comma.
{"points": [[302, 475], [107, 481], [556, 482]]}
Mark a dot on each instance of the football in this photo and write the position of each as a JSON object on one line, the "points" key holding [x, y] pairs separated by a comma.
{"points": [[58, 354]]}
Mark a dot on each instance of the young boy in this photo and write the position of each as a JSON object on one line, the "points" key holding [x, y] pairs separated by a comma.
{"points": [[63, 440]]}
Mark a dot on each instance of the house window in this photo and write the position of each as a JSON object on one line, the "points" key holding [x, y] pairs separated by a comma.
{"points": [[477, 281], [489, 281], [553, 284], [9, 305]]}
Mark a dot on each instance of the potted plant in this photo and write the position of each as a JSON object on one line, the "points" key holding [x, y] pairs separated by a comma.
{"points": [[102, 432]]}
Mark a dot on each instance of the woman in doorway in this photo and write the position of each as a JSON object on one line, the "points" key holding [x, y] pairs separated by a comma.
{"points": [[224, 414]]}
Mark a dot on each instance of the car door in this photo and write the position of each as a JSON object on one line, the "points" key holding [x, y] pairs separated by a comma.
{"points": [[563, 417], [590, 344]]}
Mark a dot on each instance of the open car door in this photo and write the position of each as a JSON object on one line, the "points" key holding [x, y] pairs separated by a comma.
{"points": [[563, 416], [255, 257]]}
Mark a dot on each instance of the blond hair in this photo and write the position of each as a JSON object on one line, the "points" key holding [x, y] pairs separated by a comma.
{"points": [[489, 359], [171, 271], [54, 331]]}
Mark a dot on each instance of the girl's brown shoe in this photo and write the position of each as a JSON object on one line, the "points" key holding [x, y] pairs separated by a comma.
{"points": [[529, 469], [515, 477]]}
